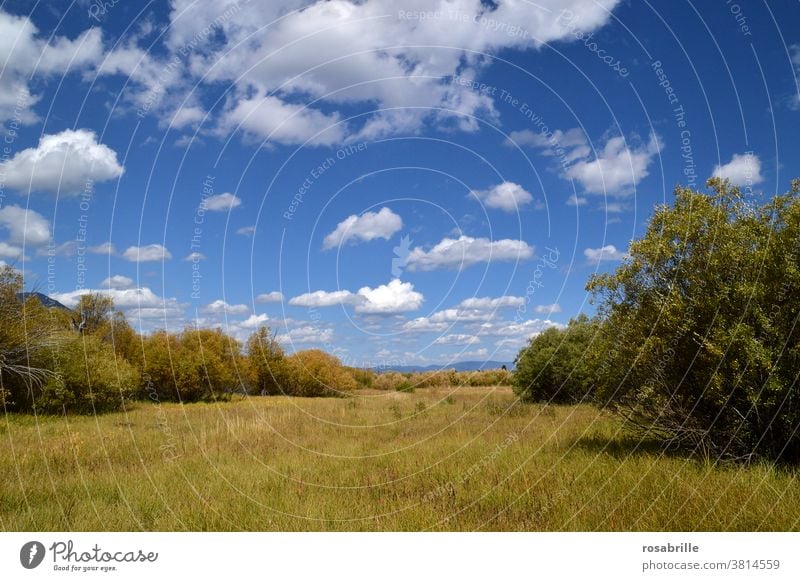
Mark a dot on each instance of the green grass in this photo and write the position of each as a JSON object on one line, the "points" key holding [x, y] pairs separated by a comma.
{"points": [[436, 459]]}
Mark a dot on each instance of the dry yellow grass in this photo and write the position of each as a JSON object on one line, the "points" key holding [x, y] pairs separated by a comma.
{"points": [[437, 459]]}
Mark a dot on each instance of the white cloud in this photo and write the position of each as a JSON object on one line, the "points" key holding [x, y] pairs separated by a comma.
{"points": [[342, 52], [149, 253], [306, 335], [445, 318], [617, 168], [246, 230], [742, 170], [516, 331], [487, 303], [574, 200], [507, 196], [69, 162], [187, 116], [220, 307], [254, 321], [221, 202], [547, 309], [271, 118], [271, 297], [135, 302], [608, 253], [466, 251], [325, 299], [25, 227], [118, 282], [457, 339], [368, 226], [195, 257], [395, 297], [104, 248], [68, 248], [26, 56], [10, 252]]}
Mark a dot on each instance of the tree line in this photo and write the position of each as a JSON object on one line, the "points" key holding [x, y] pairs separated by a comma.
{"points": [[90, 360]]}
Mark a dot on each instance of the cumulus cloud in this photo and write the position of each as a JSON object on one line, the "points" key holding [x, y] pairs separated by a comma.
{"points": [[149, 253], [254, 321], [195, 257], [568, 146], [220, 307], [221, 202], [516, 330], [325, 299], [359, 52], [368, 226], [507, 196], [487, 303], [457, 339], [617, 168], [246, 230], [271, 297], [742, 170], [394, 297], [271, 118], [306, 335], [608, 253], [137, 303], [10, 252], [104, 248], [445, 318], [25, 227], [574, 200], [25, 55], [118, 282], [69, 162], [466, 251]]}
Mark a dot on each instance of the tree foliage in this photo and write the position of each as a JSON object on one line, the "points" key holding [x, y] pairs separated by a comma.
{"points": [[700, 342], [314, 373], [555, 366], [267, 363]]}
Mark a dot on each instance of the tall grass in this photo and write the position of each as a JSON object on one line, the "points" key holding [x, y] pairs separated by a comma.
{"points": [[443, 458]]}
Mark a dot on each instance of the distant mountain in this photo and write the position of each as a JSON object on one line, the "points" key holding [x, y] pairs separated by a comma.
{"points": [[458, 366], [44, 299]]}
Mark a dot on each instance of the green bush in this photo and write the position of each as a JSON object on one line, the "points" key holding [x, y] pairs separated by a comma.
{"points": [[700, 345], [555, 366], [314, 373], [90, 378]]}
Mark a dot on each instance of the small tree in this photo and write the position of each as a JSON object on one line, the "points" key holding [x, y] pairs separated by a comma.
{"points": [[94, 311], [267, 363]]}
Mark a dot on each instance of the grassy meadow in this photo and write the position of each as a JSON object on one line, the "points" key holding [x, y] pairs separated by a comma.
{"points": [[440, 459]]}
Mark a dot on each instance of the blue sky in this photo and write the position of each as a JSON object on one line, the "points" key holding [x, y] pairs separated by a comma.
{"points": [[406, 182]]}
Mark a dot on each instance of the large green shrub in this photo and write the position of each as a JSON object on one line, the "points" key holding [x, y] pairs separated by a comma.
{"points": [[700, 344], [314, 373], [555, 366], [89, 378]]}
